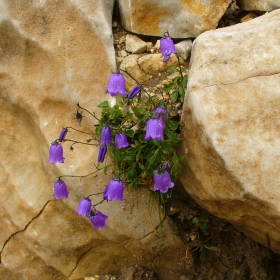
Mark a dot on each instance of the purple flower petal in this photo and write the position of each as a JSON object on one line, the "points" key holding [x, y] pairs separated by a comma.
{"points": [[121, 141], [63, 134], [167, 48], [116, 85], [56, 153], [102, 153], [84, 207], [155, 129], [98, 219], [114, 190], [162, 182], [134, 92], [160, 112], [106, 136], [60, 190]]}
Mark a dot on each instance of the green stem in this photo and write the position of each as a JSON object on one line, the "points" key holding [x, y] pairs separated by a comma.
{"points": [[140, 86], [84, 176], [79, 130], [92, 114]]}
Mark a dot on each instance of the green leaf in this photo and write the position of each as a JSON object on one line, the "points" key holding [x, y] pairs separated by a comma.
{"points": [[106, 169], [195, 220], [212, 248], [174, 96], [185, 81], [173, 125], [103, 104], [203, 226], [129, 132], [172, 69]]}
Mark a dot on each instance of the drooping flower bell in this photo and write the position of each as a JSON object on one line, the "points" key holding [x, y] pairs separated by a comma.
{"points": [[114, 190], [134, 92], [102, 153], [98, 219], [121, 141], [155, 129], [106, 135], [84, 207], [167, 48], [63, 134], [160, 112], [60, 190], [162, 182], [79, 117], [56, 153], [116, 85]]}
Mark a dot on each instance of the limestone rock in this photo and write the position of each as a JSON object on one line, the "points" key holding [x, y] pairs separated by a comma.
{"points": [[258, 5], [182, 19], [134, 44], [153, 63], [184, 48], [54, 54], [231, 126]]}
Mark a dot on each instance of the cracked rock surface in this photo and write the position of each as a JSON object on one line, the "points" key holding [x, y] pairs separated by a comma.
{"points": [[54, 54], [231, 126]]}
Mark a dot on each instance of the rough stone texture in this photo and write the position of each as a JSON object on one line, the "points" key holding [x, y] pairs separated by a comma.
{"points": [[134, 44], [258, 5], [181, 18], [231, 126], [184, 48], [54, 54]]}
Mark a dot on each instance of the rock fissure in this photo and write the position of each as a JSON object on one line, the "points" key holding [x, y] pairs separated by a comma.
{"points": [[239, 81], [22, 230]]}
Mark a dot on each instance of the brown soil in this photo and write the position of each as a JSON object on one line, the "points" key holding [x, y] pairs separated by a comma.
{"points": [[216, 250]]}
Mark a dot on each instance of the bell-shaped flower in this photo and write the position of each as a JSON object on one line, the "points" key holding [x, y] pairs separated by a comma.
{"points": [[155, 128], [106, 135], [114, 190], [160, 112], [84, 207], [116, 85], [167, 48], [60, 190], [56, 153], [63, 134], [102, 153], [162, 182], [134, 92], [121, 141], [98, 219], [79, 118]]}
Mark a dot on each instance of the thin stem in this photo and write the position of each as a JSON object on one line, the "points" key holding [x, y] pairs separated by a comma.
{"points": [[95, 194], [84, 176], [98, 203], [92, 114], [78, 142], [180, 67], [140, 86], [80, 130]]}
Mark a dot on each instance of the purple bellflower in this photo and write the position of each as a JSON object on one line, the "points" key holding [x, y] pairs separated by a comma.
{"points": [[63, 134], [167, 48], [121, 141], [60, 190], [84, 207], [98, 219], [116, 85], [134, 92], [56, 153], [114, 190], [106, 135], [155, 128], [102, 153], [162, 182], [160, 112]]}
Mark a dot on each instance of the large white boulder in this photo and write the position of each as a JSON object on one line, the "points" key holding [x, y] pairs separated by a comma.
{"points": [[231, 126], [54, 54]]}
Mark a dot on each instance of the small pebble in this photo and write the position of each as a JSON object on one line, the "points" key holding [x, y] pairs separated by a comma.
{"points": [[115, 24]]}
